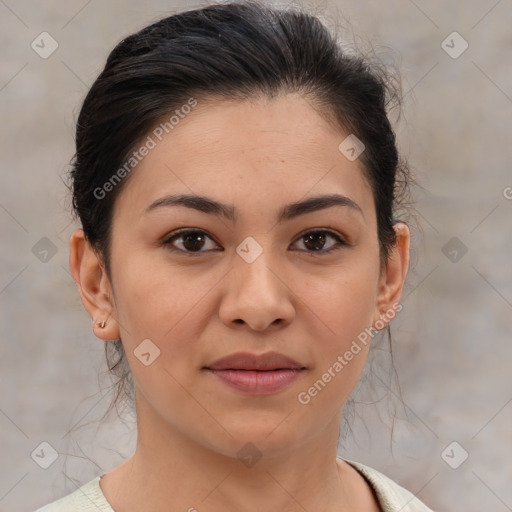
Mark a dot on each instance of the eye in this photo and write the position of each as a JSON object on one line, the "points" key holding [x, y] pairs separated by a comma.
{"points": [[315, 240], [190, 240]]}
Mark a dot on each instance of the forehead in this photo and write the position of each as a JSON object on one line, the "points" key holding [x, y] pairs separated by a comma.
{"points": [[254, 151]]}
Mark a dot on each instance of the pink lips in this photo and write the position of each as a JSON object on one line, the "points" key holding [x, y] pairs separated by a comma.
{"points": [[256, 374]]}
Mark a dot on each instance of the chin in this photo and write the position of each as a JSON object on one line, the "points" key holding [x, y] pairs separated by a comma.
{"points": [[269, 433]]}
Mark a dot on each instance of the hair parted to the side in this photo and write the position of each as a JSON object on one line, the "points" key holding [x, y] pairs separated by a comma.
{"points": [[235, 51]]}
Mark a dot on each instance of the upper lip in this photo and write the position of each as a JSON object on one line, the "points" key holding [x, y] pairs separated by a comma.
{"points": [[262, 362]]}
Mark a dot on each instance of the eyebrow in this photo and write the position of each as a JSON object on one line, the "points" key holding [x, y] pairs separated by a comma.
{"points": [[288, 212]]}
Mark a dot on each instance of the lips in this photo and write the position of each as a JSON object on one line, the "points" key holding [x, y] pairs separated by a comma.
{"points": [[256, 374], [261, 362]]}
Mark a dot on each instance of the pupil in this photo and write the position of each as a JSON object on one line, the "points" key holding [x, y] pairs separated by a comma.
{"points": [[195, 240], [320, 236]]}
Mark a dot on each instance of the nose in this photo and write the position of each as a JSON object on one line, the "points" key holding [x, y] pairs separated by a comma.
{"points": [[257, 295]]}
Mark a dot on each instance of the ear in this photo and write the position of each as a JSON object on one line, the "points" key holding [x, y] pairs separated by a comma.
{"points": [[94, 286], [393, 276]]}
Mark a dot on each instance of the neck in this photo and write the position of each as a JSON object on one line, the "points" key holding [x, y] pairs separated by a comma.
{"points": [[171, 472]]}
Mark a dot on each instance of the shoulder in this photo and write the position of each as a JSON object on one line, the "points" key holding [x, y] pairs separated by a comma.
{"points": [[392, 497], [88, 498]]}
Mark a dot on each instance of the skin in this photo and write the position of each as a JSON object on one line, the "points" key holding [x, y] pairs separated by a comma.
{"points": [[196, 309]]}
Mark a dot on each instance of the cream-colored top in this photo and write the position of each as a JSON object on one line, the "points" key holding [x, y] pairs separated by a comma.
{"points": [[391, 496]]}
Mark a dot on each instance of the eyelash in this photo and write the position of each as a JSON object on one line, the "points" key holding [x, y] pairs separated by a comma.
{"points": [[167, 242]]}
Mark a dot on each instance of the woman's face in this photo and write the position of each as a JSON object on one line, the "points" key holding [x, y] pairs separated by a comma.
{"points": [[259, 273]]}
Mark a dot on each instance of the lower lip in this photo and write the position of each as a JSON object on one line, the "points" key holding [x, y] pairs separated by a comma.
{"points": [[257, 382]]}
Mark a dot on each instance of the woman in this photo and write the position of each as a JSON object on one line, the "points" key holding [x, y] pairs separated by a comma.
{"points": [[236, 177]]}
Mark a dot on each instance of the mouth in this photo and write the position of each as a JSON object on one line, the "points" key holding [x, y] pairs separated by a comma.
{"points": [[256, 374]]}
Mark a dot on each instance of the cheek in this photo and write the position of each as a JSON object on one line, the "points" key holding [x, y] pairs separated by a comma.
{"points": [[341, 314], [163, 304], [344, 301]]}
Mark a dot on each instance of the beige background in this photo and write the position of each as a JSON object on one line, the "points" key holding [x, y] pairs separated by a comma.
{"points": [[451, 341]]}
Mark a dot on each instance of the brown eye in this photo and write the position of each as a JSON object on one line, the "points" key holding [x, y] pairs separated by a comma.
{"points": [[195, 241], [315, 241], [190, 241]]}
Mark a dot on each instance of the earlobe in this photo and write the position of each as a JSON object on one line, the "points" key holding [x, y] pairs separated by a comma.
{"points": [[393, 275], [93, 284]]}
